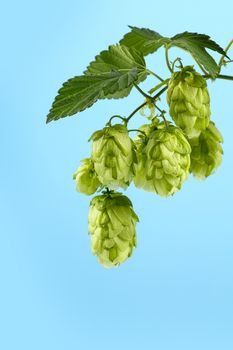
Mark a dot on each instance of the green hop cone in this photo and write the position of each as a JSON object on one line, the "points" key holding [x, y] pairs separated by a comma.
{"points": [[189, 101], [112, 225], [114, 156], [86, 178], [163, 161], [142, 136], [206, 155]]}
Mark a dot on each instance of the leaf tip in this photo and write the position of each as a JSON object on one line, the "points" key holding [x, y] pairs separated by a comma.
{"points": [[48, 119]]}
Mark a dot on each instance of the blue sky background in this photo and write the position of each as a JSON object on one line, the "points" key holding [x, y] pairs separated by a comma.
{"points": [[176, 292]]}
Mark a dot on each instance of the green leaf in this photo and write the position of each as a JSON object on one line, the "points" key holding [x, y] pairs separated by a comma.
{"points": [[201, 40], [147, 41], [144, 40], [196, 44], [82, 92], [121, 59]]}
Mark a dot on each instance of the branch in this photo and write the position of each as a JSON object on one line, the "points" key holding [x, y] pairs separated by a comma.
{"points": [[219, 76]]}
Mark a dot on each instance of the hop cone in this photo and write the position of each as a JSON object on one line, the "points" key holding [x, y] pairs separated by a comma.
{"points": [[113, 156], [142, 136], [206, 155], [87, 181], [164, 161], [112, 225], [189, 101]]}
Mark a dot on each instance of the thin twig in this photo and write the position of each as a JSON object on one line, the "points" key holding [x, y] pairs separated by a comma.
{"points": [[159, 109], [167, 59], [165, 120], [143, 132], [155, 75], [141, 91], [223, 56], [115, 116]]}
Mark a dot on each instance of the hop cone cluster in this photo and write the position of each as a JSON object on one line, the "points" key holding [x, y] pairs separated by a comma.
{"points": [[164, 161], [112, 225], [113, 156], [86, 178], [159, 160], [206, 155], [189, 101]]}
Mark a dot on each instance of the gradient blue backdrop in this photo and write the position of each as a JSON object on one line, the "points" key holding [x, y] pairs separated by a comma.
{"points": [[176, 292]]}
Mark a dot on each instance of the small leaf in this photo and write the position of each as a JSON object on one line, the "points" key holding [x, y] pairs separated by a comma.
{"points": [[196, 45], [144, 40], [121, 59], [82, 92]]}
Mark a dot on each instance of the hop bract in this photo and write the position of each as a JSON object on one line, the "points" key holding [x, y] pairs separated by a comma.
{"points": [[86, 178], [112, 225], [206, 155], [189, 101], [113, 156], [164, 161]]}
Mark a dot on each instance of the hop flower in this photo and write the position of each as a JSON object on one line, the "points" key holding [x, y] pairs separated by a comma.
{"points": [[206, 155], [189, 101], [87, 181], [113, 155], [112, 225], [164, 161]]}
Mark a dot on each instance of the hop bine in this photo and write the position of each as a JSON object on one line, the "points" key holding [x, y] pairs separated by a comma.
{"points": [[162, 155], [112, 225], [86, 178], [189, 101], [113, 155], [163, 160], [206, 155]]}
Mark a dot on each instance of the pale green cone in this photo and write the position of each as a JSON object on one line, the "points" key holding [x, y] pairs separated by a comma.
{"points": [[112, 226], [164, 161], [206, 155], [144, 132], [189, 101], [140, 141], [113, 155], [86, 178]]}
